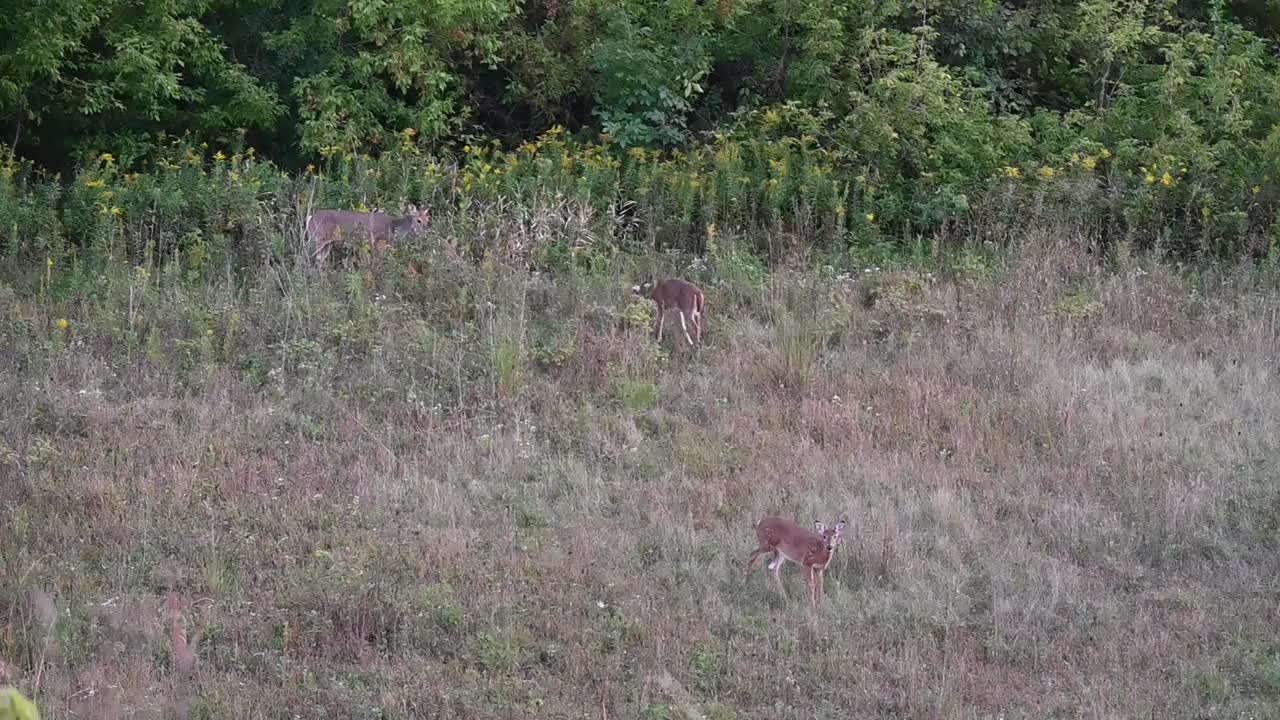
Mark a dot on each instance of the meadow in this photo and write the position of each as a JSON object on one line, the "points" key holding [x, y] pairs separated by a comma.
{"points": [[996, 283], [442, 482]]}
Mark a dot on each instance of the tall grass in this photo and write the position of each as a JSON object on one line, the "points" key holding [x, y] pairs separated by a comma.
{"points": [[435, 482]]}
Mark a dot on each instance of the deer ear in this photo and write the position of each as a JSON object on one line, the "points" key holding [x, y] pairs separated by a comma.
{"points": [[820, 526], [840, 527]]}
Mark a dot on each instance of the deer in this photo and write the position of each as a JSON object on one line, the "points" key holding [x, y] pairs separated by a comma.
{"points": [[325, 227], [787, 540], [674, 293]]}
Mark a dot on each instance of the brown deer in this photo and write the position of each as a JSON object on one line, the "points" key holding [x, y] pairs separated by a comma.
{"points": [[788, 541], [674, 293], [325, 227]]}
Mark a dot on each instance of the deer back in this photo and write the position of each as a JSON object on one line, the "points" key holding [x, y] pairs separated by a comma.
{"points": [[678, 293], [325, 225], [798, 543]]}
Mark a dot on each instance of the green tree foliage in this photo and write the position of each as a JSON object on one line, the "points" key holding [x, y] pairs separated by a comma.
{"points": [[919, 105], [76, 74]]}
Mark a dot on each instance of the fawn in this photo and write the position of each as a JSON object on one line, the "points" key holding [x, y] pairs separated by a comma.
{"points": [[788, 541], [684, 297], [325, 227]]}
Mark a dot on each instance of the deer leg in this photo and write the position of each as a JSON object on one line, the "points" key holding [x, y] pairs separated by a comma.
{"points": [[322, 251], [696, 317], [662, 316], [755, 557], [685, 328], [776, 567], [813, 588]]}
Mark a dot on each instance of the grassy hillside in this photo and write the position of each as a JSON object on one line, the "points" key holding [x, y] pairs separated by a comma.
{"points": [[431, 487]]}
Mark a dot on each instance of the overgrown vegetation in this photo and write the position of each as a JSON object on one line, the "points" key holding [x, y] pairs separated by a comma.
{"points": [[1162, 111], [433, 484]]}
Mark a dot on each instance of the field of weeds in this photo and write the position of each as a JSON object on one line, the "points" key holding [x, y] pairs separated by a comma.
{"points": [[432, 486]]}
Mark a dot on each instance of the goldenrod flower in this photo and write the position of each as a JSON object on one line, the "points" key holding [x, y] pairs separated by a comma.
{"points": [[1047, 172], [1090, 161], [1009, 172]]}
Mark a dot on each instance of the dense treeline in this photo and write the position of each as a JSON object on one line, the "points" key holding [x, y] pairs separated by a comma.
{"points": [[1164, 112]]}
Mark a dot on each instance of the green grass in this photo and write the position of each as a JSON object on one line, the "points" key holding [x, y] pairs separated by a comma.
{"points": [[472, 491]]}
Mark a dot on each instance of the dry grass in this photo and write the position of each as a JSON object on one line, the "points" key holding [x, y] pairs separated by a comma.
{"points": [[469, 491]]}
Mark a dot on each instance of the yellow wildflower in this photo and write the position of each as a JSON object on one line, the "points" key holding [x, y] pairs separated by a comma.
{"points": [[63, 324], [871, 217], [49, 261], [107, 158], [1105, 153], [311, 169], [1166, 179], [1205, 212], [219, 156], [771, 118], [1089, 161], [1047, 172], [1150, 178], [1009, 172], [95, 183], [115, 210], [1256, 189]]}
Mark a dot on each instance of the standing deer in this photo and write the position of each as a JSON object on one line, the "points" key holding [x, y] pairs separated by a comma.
{"points": [[325, 227], [788, 541], [684, 297]]}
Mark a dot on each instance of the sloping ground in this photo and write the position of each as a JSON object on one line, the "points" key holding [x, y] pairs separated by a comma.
{"points": [[478, 493]]}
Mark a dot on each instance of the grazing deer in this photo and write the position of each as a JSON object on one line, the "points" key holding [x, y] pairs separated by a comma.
{"points": [[684, 297], [788, 541], [325, 227]]}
